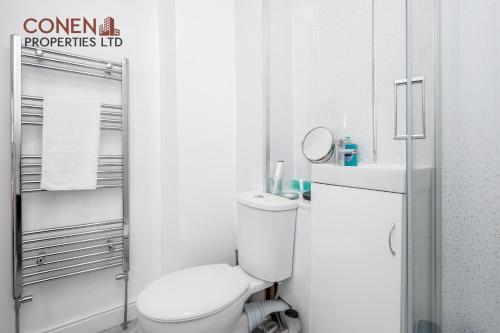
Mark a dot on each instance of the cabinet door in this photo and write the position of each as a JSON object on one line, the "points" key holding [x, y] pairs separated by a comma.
{"points": [[355, 279]]}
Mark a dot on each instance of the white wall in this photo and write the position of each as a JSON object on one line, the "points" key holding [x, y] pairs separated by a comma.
{"points": [[250, 95], [305, 85], [297, 290], [390, 65], [345, 70], [169, 135], [205, 52], [471, 158], [333, 72], [74, 298], [280, 82], [200, 173]]}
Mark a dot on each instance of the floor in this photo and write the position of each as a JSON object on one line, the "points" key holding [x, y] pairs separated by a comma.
{"points": [[132, 328]]}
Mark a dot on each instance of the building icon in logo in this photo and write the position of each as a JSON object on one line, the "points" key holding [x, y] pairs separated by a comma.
{"points": [[108, 28]]}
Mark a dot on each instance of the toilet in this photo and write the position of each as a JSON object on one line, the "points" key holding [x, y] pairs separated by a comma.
{"points": [[211, 298]]}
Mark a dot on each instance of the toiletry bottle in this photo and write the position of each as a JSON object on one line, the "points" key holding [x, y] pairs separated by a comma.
{"points": [[277, 181], [296, 185], [339, 152], [350, 152]]}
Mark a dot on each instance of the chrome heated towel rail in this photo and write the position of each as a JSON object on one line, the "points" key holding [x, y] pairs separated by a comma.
{"points": [[54, 253]]}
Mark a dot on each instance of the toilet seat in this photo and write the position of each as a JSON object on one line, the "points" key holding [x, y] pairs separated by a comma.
{"points": [[192, 293]]}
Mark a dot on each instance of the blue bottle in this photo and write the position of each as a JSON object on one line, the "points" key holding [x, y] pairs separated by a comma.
{"points": [[350, 152]]}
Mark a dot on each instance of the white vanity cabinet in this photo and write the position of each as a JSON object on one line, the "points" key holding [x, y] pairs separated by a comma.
{"points": [[356, 251]]}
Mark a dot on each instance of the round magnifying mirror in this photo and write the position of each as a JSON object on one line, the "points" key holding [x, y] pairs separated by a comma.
{"points": [[318, 145]]}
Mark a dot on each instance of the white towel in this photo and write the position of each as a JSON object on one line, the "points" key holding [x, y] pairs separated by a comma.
{"points": [[70, 145]]}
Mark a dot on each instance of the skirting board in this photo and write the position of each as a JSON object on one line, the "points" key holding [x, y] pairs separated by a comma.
{"points": [[94, 322]]}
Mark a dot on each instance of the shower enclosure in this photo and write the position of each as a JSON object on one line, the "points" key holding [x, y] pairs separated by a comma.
{"points": [[453, 267]]}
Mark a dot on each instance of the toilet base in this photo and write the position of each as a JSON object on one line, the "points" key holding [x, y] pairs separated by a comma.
{"points": [[242, 324], [293, 324]]}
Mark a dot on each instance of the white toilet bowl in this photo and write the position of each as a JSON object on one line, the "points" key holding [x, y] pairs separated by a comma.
{"points": [[210, 299], [202, 299]]}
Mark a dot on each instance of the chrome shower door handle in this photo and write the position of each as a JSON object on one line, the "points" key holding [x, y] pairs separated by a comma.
{"points": [[391, 232], [404, 82]]}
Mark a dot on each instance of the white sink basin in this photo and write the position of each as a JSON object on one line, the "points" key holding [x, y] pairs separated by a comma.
{"points": [[379, 177], [388, 178]]}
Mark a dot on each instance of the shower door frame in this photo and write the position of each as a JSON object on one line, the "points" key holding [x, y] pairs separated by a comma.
{"points": [[408, 240]]}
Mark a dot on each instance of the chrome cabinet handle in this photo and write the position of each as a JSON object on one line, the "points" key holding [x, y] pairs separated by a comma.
{"points": [[404, 82], [391, 231]]}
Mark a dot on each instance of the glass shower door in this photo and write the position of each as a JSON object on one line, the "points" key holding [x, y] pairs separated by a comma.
{"points": [[422, 271]]}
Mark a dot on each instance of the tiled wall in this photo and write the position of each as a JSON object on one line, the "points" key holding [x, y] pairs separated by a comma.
{"points": [[345, 56], [471, 159]]}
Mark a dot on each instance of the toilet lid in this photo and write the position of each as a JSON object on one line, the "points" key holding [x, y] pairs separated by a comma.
{"points": [[192, 293]]}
